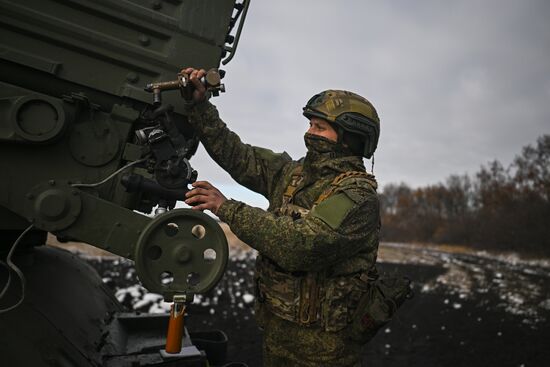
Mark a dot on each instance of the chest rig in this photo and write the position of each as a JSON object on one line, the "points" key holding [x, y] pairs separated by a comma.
{"points": [[306, 298], [289, 208]]}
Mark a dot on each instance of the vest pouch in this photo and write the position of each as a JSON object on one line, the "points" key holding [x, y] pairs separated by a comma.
{"points": [[339, 298], [377, 306], [259, 307], [277, 292]]}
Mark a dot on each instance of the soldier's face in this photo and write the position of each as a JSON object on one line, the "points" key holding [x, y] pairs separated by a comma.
{"points": [[318, 126]]}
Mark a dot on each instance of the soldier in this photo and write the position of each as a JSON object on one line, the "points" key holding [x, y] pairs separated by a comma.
{"points": [[318, 240]]}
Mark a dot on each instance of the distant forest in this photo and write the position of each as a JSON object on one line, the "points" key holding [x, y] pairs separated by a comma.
{"points": [[500, 208]]}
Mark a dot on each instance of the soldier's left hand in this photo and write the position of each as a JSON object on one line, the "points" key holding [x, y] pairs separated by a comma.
{"points": [[205, 196]]}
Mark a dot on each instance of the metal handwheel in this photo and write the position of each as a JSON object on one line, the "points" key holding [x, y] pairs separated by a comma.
{"points": [[181, 252]]}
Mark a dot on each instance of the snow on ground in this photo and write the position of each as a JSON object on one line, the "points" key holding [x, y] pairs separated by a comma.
{"points": [[470, 307], [520, 284]]}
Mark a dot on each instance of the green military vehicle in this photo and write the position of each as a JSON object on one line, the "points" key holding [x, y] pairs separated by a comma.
{"points": [[93, 137]]}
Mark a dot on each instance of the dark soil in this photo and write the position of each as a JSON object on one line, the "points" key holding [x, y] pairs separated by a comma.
{"points": [[445, 324]]}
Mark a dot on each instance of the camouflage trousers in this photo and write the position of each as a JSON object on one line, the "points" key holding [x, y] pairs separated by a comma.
{"points": [[287, 344]]}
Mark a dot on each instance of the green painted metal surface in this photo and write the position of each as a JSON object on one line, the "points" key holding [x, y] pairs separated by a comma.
{"points": [[73, 108], [84, 154]]}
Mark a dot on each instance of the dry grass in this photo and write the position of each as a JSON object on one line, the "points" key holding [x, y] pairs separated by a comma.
{"points": [[78, 247], [92, 251], [386, 253]]}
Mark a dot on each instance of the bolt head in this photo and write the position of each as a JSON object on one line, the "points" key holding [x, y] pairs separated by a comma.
{"points": [[183, 255], [156, 4], [144, 40], [132, 77]]}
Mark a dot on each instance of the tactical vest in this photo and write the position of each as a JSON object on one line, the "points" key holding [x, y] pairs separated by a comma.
{"points": [[308, 298]]}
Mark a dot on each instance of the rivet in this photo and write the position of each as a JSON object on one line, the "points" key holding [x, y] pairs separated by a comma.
{"points": [[51, 182], [156, 4], [144, 40], [132, 77]]}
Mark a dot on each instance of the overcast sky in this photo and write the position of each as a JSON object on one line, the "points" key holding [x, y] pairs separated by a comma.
{"points": [[456, 84]]}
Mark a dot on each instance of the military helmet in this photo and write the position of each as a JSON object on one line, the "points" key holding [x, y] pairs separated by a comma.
{"points": [[355, 118]]}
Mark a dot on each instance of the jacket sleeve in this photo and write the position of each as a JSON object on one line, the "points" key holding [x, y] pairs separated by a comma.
{"points": [[253, 167], [315, 241]]}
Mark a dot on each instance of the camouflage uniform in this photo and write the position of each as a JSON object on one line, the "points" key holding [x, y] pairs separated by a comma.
{"points": [[314, 243]]}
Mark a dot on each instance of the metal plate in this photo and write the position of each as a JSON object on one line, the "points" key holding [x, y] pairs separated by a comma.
{"points": [[53, 205], [94, 144], [38, 118], [181, 252]]}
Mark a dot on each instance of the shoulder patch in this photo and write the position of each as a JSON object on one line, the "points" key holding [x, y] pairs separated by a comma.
{"points": [[333, 210]]}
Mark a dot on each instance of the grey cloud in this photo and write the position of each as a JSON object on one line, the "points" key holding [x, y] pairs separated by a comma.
{"points": [[455, 83]]}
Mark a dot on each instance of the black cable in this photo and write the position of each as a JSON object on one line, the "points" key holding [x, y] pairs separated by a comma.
{"points": [[112, 175], [11, 266]]}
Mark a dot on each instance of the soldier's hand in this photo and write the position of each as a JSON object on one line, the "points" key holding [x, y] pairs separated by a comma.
{"points": [[205, 196], [195, 76]]}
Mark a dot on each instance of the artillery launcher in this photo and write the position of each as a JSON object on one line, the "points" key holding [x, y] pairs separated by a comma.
{"points": [[91, 142]]}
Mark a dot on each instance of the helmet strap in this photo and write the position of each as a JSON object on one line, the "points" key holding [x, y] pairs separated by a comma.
{"points": [[367, 147], [340, 135], [372, 164]]}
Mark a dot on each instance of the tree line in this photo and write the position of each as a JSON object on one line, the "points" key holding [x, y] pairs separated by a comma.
{"points": [[504, 208]]}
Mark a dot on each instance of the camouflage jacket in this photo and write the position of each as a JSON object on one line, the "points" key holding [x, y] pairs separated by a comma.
{"points": [[339, 245]]}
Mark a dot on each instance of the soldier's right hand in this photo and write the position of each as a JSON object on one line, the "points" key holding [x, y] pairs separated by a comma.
{"points": [[195, 76]]}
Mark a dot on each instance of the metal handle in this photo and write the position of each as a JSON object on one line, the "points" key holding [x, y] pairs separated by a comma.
{"points": [[241, 15]]}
